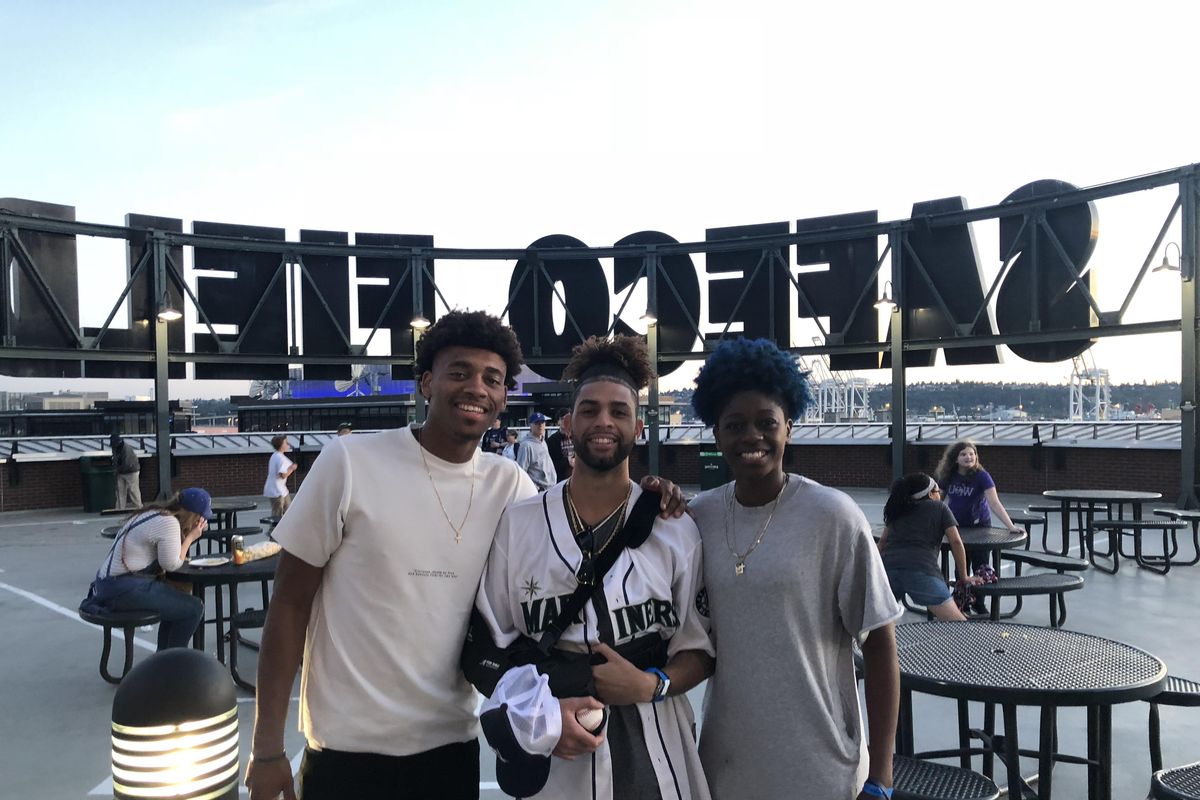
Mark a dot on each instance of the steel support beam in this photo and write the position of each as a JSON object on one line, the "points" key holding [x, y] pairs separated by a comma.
{"points": [[162, 390], [899, 390], [652, 420], [1190, 339]]}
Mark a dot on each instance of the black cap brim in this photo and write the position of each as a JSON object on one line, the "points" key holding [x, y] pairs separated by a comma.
{"points": [[520, 774]]}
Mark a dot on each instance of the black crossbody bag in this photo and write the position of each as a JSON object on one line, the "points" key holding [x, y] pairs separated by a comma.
{"points": [[570, 674], [591, 572]]}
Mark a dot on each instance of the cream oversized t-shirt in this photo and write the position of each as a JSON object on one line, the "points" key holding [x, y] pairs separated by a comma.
{"points": [[381, 657]]}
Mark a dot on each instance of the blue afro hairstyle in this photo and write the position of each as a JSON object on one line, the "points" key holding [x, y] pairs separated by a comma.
{"points": [[739, 365]]}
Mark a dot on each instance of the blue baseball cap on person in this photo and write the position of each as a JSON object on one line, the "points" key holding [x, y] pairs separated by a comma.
{"points": [[196, 501], [537, 417]]}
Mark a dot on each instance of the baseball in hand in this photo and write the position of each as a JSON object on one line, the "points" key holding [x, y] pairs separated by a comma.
{"points": [[592, 719]]}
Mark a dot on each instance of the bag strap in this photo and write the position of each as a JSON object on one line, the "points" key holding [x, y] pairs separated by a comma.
{"points": [[107, 568], [633, 533]]}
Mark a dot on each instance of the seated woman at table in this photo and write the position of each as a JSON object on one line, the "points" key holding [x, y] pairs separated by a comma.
{"points": [[793, 580], [915, 522], [153, 541]]}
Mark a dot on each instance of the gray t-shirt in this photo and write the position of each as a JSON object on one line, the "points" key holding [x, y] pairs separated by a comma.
{"points": [[913, 540], [781, 712], [534, 457]]}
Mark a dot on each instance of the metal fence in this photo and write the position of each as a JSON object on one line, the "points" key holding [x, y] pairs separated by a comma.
{"points": [[1125, 434]]}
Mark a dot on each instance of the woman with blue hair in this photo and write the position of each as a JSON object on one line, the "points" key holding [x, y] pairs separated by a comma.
{"points": [[793, 581]]}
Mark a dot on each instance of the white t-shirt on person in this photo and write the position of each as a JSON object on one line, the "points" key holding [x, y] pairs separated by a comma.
{"points": [[156, 539], [381, 657], [275, 485]]}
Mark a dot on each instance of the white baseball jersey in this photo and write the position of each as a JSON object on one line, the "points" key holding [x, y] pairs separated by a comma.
{"points": [[656, 588]]}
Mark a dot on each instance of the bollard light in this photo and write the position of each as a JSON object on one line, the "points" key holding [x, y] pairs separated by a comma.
{"points": [[175, 729]]}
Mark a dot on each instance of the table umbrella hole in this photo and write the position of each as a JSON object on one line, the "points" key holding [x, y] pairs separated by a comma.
{"points": [[998, 651]]}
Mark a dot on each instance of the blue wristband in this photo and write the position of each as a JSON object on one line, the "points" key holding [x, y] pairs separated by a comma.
{"points": [[664, 684], [876, 789]]}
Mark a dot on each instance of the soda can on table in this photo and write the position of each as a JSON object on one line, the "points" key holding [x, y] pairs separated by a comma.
{"points": [[239, 549]]}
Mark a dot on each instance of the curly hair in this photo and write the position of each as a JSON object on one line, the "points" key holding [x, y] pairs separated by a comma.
{"points": [[949, 463], [739, 365], [627, 353], [477, 329]]}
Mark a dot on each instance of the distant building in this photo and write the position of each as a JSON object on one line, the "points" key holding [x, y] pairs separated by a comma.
{"points": [[108, 416]]}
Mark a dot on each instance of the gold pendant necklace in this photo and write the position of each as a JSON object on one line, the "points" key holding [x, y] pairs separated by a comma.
{"points": [[739, 559], [458, 529]]}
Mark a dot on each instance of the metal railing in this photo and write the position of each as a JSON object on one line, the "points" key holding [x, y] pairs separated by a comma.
{"points": [[1132, 433]]}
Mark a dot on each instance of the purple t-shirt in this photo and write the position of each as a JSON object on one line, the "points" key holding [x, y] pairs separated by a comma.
{"points": [[965, 496]]}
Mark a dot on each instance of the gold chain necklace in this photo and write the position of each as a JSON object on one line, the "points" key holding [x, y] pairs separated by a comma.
{"points": [[458, 529], [578, 523], [739, 566]]}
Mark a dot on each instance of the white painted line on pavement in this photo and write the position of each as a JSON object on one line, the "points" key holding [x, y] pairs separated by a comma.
{"points": [[73, 614], [44, 523]]}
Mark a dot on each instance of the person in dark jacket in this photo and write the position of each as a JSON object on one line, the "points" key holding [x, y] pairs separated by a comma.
{"points": [[129, 473], [562, 452]]}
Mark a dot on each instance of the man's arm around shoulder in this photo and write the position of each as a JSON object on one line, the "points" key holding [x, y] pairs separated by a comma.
{"points": [[296, 584]]}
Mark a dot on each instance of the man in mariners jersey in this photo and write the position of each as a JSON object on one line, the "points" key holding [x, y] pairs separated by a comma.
{"points": [[641, 640]]}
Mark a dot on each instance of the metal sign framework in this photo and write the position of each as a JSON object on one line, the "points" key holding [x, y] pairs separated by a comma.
{"points": [[156, 267]]}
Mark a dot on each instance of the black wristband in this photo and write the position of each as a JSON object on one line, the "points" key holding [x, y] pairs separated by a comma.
{"points": [[267, 759]]}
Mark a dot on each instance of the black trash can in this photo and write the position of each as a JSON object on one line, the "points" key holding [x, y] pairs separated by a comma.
{"points": [[713, 470], [99, 483]]}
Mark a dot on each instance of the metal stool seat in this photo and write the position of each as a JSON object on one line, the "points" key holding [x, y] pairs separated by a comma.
{"points": [[1119, 529], [1028, 520], [1180, 783], [1192, 517], [1177, 692], [1048, 583], [914, 779], [1049, 511], [128, 622]]}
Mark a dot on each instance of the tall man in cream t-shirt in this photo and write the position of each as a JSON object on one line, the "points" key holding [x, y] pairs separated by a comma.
{"points": [[382, 555]]}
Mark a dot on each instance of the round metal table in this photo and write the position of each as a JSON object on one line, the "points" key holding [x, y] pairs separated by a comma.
{"points": [[228, 574], [225, 512], [1084, 502], [1014, 665]]}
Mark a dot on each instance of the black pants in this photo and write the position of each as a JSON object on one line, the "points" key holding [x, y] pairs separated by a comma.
{"points": [[450, 772]]}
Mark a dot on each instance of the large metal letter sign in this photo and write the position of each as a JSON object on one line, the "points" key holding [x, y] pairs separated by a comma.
{"points": [[40, 292], [676, 281], [392, 305], [531, 291], [142, 308], [323, 333], [947, 258], [760, 296], [254, 299], [1040, 292], [838, 292]]}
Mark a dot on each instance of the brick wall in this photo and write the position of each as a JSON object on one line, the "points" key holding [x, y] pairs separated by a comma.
{"points": [[1017, 469], [1021, 470]]}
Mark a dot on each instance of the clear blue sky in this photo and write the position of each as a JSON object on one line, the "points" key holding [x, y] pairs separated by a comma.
{"points": [[492, 124]]}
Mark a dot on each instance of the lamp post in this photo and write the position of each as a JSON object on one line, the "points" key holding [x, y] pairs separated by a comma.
{"points": [[651, 320], [175, 729], [899, 426], [167, 313]]}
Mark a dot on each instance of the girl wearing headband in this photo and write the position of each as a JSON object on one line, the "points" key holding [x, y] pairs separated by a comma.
{"points": [[915, 522]]}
